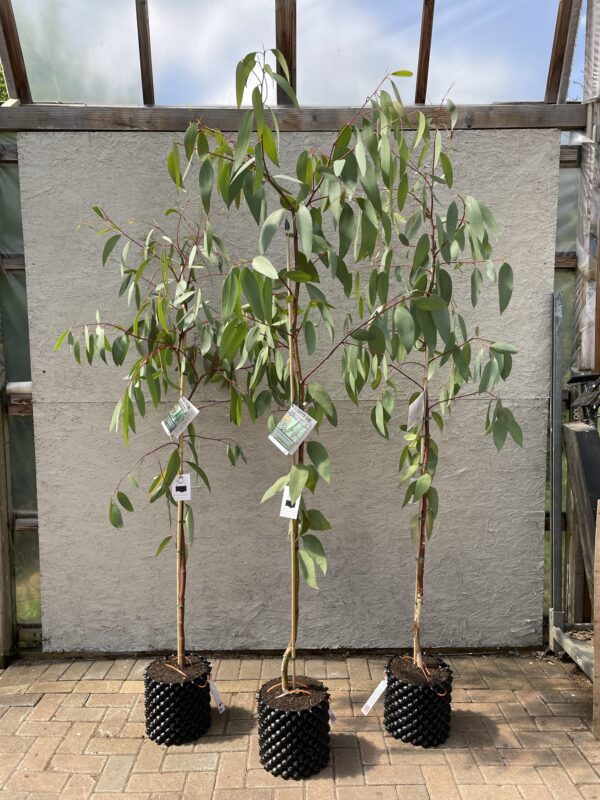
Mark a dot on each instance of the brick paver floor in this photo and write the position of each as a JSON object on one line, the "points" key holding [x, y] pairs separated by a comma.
{"points": [[521, 731]]}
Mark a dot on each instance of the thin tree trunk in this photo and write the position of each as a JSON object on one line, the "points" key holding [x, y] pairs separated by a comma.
{"points": [[294, 358], [420, 569], [180, 538]]}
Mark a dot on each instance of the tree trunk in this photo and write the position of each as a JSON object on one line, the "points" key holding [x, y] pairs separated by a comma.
{"points": [[180, 537], [420, 570]]}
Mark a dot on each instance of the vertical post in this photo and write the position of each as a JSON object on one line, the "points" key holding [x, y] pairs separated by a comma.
{"points": [[8, 629], [143, 28], [424, 51], [12, 55], [556, 611], [596, 619], [180, 535], [285, 38]]}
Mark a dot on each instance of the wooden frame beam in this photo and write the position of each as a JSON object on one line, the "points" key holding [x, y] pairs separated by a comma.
{"points": [[560, 62], [285, 39], [424, 51], [143, 28], [57, 117], [12, 55]]}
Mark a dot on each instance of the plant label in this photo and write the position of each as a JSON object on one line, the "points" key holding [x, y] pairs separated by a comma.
{"points": [[377, 692], [289, 510], [179, 417], [415, 411], [216, 696], [292, 430], [181, 488]]}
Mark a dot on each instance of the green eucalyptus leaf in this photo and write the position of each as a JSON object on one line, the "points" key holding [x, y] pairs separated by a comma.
{"points": [[109, 247], [505, 285], [312, 545], [263, 265], [124, 501], [320, 458], [307, 567]]}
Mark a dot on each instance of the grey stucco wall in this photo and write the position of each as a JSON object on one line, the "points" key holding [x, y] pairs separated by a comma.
{"points": [[104, 590]]}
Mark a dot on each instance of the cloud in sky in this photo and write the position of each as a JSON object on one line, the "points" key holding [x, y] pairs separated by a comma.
{"points": [[483, 50]]}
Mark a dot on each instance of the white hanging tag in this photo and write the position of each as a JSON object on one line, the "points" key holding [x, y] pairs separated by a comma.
{"points": [[377, 692], [288, 509], [181, 488], [216, 696], [415, 411], [292, 430]]}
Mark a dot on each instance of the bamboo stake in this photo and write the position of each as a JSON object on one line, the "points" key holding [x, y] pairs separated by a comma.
{"points": [[290, 652], [180, 537], [420, 569]]}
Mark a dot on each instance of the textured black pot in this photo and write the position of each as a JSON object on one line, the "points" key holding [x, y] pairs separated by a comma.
{"points": [[177, 712], [293, 744], [417, 714]]}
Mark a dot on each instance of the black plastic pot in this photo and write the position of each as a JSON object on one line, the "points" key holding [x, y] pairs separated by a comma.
{"points": [[177, 710], [293, 744], [417, 713]]}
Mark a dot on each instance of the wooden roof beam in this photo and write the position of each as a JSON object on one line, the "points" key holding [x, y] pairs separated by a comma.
{"points": [[563, 47], [424, 51], [143, 28], [64, 117], [285, 39], [11, 55]]}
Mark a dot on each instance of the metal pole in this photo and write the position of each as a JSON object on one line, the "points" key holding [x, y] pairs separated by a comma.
{"points": [[556, 610]]}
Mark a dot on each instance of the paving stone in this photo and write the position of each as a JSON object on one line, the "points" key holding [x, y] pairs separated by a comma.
{"points": [[104, 746], [81, 763], [576, 766], [36, 782], [37, 757], [373, 748], [371, 793], [250, 668], [77, 738], [115, 773], [156, 782], [79, 787], [149, 758], [14, 700], [232, 770], [90, 687], [394, 774], [189, 762], [347, 767], [535, 792], [98, 670], [559, 785], [490, 793], [242, 794], [508, 774], [229, 669], [464, 767], [560, 724], [44, 710], [441, 784], [199, 785], [76, 671]]}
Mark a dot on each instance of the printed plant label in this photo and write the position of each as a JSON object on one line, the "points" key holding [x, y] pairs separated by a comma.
{"points": [[179, 417], [292, 430], [377, 692]]}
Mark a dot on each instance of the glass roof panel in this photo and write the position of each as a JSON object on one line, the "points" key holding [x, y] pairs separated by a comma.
{"points": [[196, 45], [486, 51], [345, 48], [77, 51]]}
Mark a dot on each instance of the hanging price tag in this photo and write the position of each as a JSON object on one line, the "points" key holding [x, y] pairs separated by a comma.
{"points": [[288, 509], [377, 692], [216, 696], [181, 488]]}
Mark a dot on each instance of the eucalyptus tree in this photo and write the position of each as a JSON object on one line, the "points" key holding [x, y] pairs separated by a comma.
{"points": [[170, 352]]}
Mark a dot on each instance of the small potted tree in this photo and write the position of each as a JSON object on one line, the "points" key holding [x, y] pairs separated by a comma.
{"points": [[423, 341], [170, 348]]}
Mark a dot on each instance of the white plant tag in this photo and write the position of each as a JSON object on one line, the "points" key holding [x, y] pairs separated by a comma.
{"points": [[179, 417], [216, 695], [292, 430], [181, 488], [289, 510], [377, 692], [415, 411]]}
